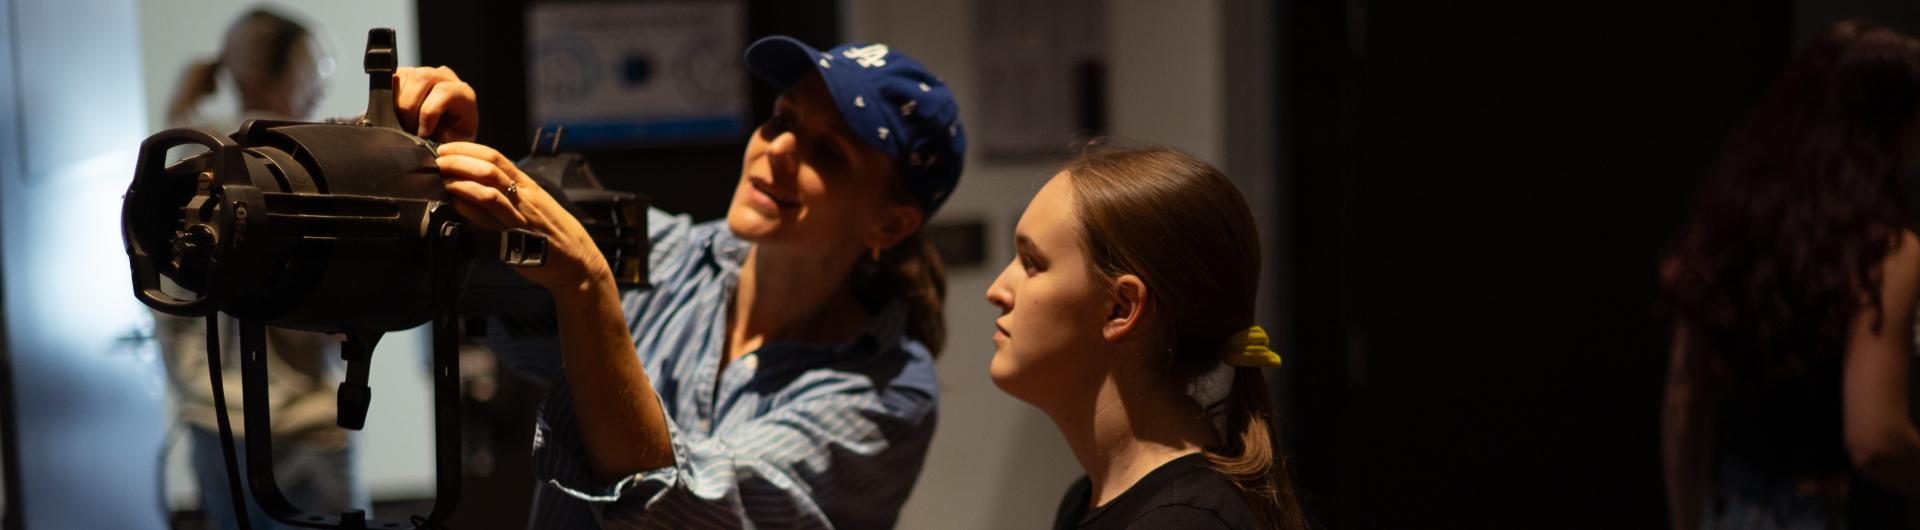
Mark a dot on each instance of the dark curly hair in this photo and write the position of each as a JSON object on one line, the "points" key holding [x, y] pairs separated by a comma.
{"points": [[1789, 229]]}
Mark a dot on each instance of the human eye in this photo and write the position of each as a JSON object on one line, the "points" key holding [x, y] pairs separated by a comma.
{"points": [[827, 154], [1030, 263], [780, 122]]}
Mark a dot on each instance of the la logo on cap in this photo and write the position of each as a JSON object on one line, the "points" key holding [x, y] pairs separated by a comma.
{"points": [[869, 56]]}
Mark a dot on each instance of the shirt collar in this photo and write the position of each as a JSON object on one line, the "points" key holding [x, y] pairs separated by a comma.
{"points": [[727, 250], [883, 330]]}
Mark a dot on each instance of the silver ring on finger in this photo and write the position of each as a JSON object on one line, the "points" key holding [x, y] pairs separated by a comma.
{"points": [[512, 191]]}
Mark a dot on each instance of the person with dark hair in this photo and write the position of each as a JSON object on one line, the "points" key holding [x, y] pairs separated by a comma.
{"points": [[779, 372], [1792, 292], [1127, 317], [277, 69]]}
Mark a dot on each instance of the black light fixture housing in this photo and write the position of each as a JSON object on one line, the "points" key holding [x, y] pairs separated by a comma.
{"points": [[340, 228]]}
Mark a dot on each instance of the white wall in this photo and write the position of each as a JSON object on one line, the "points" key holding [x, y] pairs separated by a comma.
{"points": [[88, 408], [996, 462], [396, 448], [1167, 84]]}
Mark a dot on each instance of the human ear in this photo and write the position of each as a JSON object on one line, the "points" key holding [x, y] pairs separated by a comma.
{"points": [[896, 223], [1126, 308]]}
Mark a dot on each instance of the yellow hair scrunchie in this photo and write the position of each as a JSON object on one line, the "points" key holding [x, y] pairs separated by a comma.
{"points": [[1249, 349]]}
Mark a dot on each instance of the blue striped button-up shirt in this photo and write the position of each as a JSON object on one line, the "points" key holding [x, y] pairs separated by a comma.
{"points": [[788, 436]]}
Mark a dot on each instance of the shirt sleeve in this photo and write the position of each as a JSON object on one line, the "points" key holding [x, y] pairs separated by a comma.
{"points": [[841, 452], [530, 345]]}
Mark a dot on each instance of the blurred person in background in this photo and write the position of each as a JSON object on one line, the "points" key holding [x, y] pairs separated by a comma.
{"points": [[276, 69], [1127, 317], [1792, 292], [272, 64]]}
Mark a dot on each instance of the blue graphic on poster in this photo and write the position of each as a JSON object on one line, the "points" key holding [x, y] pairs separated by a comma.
{"points": [[638, 74]]}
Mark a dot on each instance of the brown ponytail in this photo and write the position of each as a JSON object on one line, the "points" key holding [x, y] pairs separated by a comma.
{"points": [[924, 278], [910, 271], [197, 82], [1248, 456], [1179, 225]]}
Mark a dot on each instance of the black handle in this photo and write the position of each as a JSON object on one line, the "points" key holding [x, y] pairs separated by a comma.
{"points": [[146, 264], [354, 396], [381, 61]]}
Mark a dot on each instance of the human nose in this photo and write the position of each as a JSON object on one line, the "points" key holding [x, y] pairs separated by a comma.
{"points": [[1000, 294], [781, 153]]}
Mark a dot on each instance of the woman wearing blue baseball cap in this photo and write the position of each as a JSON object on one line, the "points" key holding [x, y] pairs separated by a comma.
{"points": [[779, 373]]}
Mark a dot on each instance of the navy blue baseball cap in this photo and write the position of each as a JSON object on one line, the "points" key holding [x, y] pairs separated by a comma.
{"points": [[888, 99]]}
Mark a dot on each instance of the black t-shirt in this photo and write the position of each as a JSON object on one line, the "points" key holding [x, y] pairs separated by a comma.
{"points": [[1183, 493]]}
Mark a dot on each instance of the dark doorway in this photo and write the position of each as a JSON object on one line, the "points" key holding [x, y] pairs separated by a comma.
{"points": [[1481, 195]]}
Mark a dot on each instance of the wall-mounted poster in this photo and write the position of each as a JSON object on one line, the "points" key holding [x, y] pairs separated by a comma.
{"points": [[1045, 66], [645, 73]]}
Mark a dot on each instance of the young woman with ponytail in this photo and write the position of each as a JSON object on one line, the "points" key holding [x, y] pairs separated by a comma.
{"points": [[1127, 317], [277, 68]]}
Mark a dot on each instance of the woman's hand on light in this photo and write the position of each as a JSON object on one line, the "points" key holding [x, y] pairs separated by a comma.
{"points": [[434, 103], [478, 178]]}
